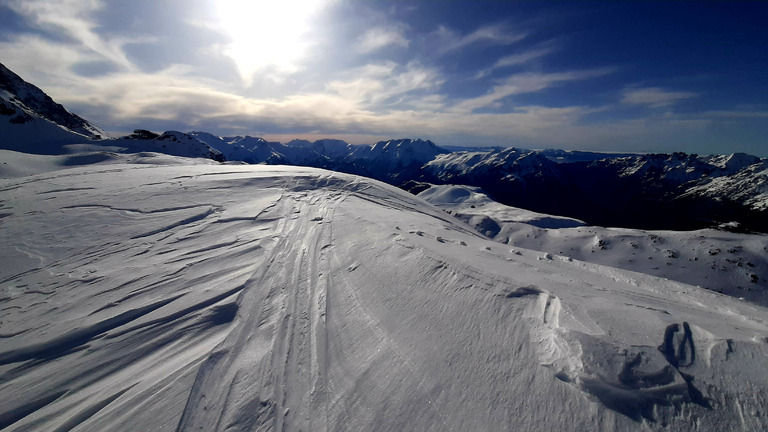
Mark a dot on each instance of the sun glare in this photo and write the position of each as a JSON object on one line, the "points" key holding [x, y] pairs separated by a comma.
{"points": [[267, 34]]}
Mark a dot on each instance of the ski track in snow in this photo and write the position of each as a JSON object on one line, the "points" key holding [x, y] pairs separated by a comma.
{"points": [[285, 298]]}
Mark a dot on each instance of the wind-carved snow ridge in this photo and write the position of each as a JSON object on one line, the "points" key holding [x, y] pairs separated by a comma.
{"points": [[212, 297]]}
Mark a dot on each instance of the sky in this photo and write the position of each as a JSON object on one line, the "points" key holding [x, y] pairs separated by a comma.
{"points": [[610, 76]]}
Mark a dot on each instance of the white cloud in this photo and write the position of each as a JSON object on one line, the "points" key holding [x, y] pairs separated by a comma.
{"points": [[496, 34], [377, 38], [654, 97], [521, 58], [524, 57], [355, 108], [525, 83], [74, 18], [385, 83], [39, 60]]}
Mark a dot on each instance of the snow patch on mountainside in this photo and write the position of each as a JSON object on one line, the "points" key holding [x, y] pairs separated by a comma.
{"points": [[748, 185]]}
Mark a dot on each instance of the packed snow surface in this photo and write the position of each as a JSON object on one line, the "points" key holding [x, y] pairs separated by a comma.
{"points": [[239, 298]]}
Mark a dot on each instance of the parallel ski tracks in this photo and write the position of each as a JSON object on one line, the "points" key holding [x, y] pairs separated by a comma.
{"points": [[276, 350]]}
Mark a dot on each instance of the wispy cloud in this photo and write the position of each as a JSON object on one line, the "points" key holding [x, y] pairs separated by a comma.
{"points": [[385, 84], [496, 34], [521, 58], [736, 114], [654, 97], [377, 38], [526, 83], [74, 18]]}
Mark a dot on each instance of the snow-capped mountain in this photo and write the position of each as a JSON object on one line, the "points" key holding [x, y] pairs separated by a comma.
{"points": [[171, 142], [654, 191], [247, 149], [31, 121], [28, 102], [394, 161], [332, 148], [746, 182], [689, 190], [212, 297]]}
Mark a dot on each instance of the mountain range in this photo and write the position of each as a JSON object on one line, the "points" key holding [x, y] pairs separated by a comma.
{"points": [[649, 191]]}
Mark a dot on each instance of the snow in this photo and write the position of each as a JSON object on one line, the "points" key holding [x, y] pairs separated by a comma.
{"points": [[37, 135], [474, 203], [16, 164], [226, 297], [170, 142], [23, 103], [730, 263]]}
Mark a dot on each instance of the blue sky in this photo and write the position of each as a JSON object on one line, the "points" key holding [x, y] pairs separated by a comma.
{"points": [[612, 76]]}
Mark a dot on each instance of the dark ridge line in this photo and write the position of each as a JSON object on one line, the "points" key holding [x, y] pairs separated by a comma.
{"points": [[131, 210], [8, 418], [187, 221], [182, 312], [74, 189]]}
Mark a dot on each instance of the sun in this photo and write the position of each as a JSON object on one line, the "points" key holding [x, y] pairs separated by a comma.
{"points": [[267, 34]]}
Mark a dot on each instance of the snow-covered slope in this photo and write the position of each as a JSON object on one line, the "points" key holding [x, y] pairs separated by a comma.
{"points": [[31, 121], [16, 164], [729, 263], [144, 297], [481, 210], [173, 143], [748, 185]]}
